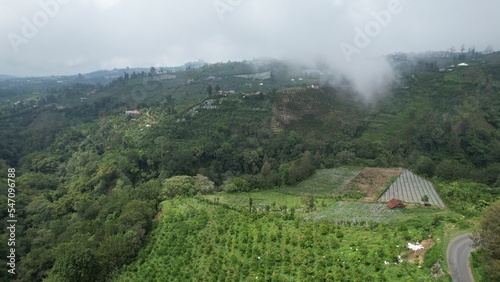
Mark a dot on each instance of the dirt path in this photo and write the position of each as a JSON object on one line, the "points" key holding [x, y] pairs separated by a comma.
{"points": [[151, 117]]}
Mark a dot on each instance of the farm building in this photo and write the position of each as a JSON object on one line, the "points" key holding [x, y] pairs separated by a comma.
{"points": [[463, 65], [134, 112], [395, 203]]}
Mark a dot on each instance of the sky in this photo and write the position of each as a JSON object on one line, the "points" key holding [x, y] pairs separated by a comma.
{"points": [[59, 37]]}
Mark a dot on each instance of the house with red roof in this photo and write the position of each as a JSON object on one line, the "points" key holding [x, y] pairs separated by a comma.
{"points": [[134, 112], [395, 203]]}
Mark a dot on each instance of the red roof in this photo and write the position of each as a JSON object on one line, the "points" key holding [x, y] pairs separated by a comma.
{"points": [[395, 203]]}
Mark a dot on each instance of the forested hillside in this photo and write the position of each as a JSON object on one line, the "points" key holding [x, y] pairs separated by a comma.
{"points": [[91, 179]]}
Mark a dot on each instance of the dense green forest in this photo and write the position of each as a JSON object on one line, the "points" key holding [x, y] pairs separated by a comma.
{"points": [[103, 195]]}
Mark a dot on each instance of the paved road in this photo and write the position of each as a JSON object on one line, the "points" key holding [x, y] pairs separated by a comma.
{"points": [[458, 259]]}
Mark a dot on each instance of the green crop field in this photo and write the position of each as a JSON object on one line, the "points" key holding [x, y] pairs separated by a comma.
{"points": [[325, 182], [259, 199], [204, 242], [355, 212]]}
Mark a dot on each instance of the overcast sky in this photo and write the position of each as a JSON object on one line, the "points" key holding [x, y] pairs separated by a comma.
{"points": [[79, 36]]}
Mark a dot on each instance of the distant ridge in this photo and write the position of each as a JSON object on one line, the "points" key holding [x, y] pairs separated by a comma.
{"points": [[4, 76]]}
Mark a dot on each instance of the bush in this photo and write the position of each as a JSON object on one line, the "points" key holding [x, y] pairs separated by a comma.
{"points": [[425, 166], [177, 185], [452, 170], [236, 184]]}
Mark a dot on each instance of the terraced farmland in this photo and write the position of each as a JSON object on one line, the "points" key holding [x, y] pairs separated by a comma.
{"points": [[355, 212], [410, 188]]}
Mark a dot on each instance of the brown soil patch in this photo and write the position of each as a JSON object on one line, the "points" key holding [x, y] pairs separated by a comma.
{"points": [[372, 181], [412, 255]]}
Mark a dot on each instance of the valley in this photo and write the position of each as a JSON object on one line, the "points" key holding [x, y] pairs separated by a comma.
{"points": [[252, 170]]}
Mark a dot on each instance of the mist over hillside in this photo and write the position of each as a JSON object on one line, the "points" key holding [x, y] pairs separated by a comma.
{"points": [[232, 140], [117, 154]]}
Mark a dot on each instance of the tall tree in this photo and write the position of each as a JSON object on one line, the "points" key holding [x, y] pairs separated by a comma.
{"points": [[293, 174], [161, 142], [266, 169], [307, 165], [209, 89], [488, 240], [308, 200]]}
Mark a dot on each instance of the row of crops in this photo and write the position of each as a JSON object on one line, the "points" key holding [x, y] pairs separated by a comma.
{"points": [[410, 188], [202, 242], [324, 182], [355, 212]]}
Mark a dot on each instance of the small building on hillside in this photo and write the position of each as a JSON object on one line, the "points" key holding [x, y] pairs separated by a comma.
{"points": [[395, 203], [134, 112], [463, 65]]}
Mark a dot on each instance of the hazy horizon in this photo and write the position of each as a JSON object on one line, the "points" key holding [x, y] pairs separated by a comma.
{"points": [[53, 37]]}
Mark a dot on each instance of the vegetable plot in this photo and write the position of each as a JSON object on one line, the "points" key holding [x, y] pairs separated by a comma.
{"points": [[410, 188], [355, 212]]}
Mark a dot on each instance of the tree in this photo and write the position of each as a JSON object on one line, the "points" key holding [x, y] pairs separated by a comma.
{"points": [[306, 164], [204, 184], [209, 89], [283, 171], [308, 200], [425, 198], [425, 166], [266, 169], [78, 261], [178, 185], [161, 142], [152, 71], [488, 240], [345, 157], [292, 174], [489, 49], [217, 88], [236, 184], [170, 104], [452, 170]]}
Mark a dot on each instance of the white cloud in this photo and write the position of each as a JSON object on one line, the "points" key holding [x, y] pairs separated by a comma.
{"points": [[109, 33], [106, 4]]}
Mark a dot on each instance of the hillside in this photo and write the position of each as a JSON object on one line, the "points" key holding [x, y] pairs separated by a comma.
{"points": [[95, 184]]}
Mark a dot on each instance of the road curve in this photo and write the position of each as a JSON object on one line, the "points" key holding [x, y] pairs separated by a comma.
{"points": [[458, 259]]}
